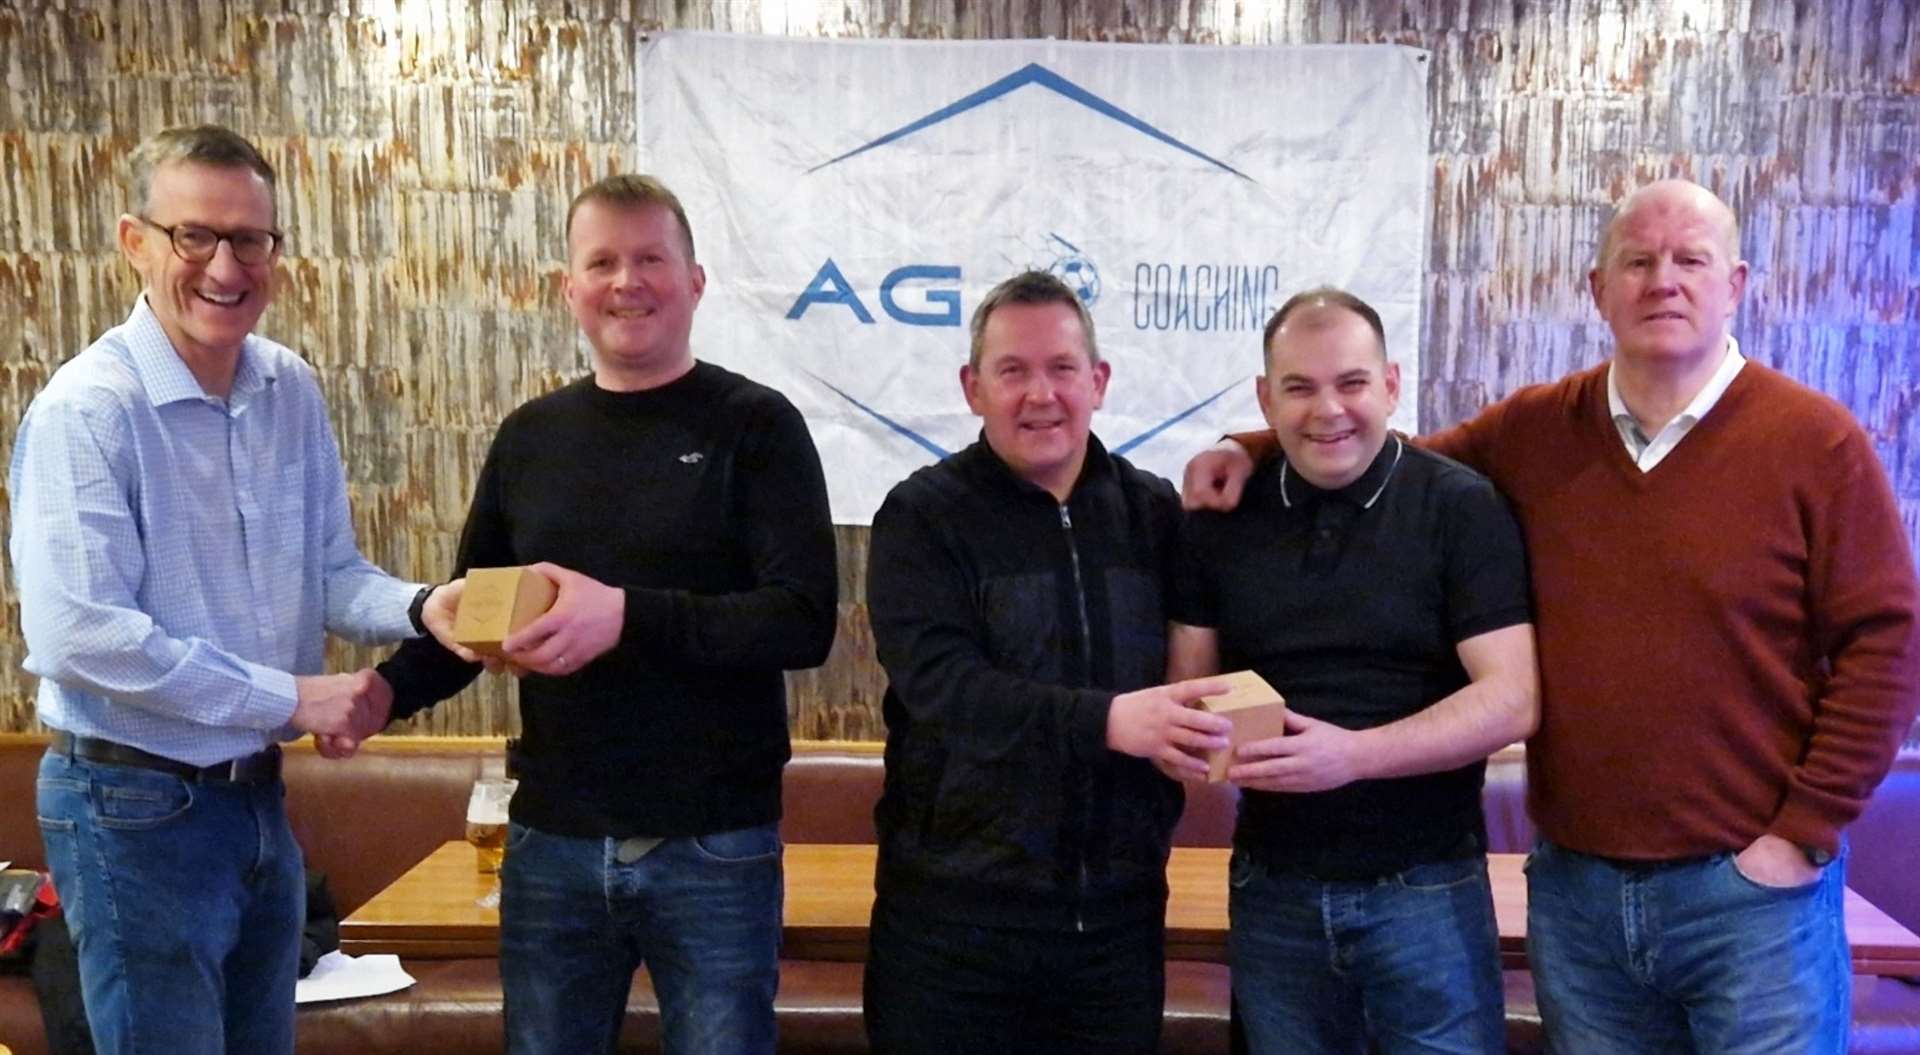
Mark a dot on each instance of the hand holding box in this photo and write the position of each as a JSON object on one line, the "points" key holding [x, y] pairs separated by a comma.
{"points": [[498, 601], [1257, 713]]}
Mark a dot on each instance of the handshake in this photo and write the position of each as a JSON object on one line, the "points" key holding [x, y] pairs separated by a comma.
{"points": [[341, 710], [344, 710]]}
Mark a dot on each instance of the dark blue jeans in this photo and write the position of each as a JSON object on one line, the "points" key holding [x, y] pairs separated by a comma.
{"points": [[940, 988], [1686, 957], [701, 913], [1410, 961], [185, 902]]}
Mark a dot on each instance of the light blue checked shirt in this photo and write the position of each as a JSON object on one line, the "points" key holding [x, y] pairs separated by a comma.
{"points": [[180, 557]]}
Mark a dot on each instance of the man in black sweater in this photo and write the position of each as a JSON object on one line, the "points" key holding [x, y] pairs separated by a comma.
{"points": [[1017, 597], [681, 511]]}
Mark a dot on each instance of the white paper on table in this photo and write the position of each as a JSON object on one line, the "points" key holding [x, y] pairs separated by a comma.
{"points": [[341, 977]]}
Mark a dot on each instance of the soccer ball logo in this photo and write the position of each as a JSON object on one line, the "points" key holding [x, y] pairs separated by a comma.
{"points": [[1073, 268]]}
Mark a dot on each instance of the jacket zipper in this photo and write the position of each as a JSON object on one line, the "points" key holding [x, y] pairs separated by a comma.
{"points": [[1086, 653]]}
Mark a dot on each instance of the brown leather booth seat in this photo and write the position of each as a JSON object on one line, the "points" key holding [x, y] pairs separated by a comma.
{"points": [[829, 795], [456, 1008], [366, 821]]}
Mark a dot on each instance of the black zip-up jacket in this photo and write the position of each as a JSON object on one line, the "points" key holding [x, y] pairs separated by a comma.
{"points": [[1007, 622]]}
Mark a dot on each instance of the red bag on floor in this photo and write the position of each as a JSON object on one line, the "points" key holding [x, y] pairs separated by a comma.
{"points": [[26, 898]]}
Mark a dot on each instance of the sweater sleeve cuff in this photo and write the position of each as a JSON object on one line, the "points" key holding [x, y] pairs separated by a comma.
{"points": [[651, 616], [409, 698], [1088, 728], [1803, 824], [1260, 444]]}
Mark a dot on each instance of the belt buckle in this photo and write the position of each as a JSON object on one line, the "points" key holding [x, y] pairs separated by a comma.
{"points": [[632, 849], [257, 768]]}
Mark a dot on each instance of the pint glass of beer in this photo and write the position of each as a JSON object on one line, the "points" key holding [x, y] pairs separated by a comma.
{"points": [[487, 820]]}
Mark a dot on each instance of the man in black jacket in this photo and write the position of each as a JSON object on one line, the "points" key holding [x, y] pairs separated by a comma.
{"points": [[681, 511], [1017, 596]]}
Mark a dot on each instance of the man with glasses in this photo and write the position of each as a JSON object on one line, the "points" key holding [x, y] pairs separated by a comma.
{"points": [[182, 545]]}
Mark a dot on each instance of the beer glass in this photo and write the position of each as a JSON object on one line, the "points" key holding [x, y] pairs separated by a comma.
{"points": [[487, 820]]}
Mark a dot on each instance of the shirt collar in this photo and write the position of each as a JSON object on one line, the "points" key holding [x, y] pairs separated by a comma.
{"points": [[1702, 401], [1362, 493], [1097, 465], [165, 375]]}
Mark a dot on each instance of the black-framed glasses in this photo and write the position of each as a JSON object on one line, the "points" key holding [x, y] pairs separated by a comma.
{"points": [[196, 244]]}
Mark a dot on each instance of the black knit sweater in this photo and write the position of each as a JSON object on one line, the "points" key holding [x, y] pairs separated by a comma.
{"points": [[704, 500]]}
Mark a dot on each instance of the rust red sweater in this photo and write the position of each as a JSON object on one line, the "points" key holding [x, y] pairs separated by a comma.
{"points": [[1728, 642]]}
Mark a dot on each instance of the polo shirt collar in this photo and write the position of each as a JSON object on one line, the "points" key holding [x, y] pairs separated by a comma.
{"points": [[164, 374], [1702, 401], [1362, 493]]}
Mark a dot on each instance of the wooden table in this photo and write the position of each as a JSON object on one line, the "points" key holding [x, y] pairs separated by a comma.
{"points": [[432, 912]]}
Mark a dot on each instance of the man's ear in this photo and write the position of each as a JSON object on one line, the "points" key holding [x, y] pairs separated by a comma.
{"points": [[132, 235], [1102, 373], [1261, 390], [1739, 280]]}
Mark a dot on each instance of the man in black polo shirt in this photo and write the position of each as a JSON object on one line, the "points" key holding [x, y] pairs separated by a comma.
{"points": [[1383, 591]]}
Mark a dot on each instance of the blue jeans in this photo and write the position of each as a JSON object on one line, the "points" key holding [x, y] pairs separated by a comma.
{"points": [[1690, 956], [1410, 961], [185, 900], [701, 913], [935, 986]]}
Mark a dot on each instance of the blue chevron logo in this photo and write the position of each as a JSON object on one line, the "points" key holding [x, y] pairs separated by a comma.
{"points": [[1039, 76], [921, 441]]}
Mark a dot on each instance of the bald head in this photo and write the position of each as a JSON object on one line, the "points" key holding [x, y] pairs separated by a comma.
{"points": [[1669, 279], [1317, 309], [1672, 197]]}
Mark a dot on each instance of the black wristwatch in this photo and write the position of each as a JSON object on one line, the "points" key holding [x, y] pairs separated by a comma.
{"points": [[419, 607], [1816, 856]]}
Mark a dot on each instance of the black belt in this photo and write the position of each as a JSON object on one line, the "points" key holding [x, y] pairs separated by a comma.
{"points": [[260, 768]]}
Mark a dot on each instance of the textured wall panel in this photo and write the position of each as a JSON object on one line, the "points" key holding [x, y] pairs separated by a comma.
{"points": [[428, 149]]}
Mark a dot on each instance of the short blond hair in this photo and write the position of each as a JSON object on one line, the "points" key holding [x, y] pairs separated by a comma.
{"points": [[634, 191]]}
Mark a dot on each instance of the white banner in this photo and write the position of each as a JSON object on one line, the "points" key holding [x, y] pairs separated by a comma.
{"points": [[853, 200]]}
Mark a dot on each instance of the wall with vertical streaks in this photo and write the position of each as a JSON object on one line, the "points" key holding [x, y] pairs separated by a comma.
{"points": [[428, 148]]}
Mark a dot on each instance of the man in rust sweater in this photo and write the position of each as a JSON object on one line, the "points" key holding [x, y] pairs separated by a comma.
{"points": [[1726, 619]]}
